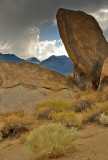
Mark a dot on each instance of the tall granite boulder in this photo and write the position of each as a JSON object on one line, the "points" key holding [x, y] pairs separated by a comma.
{"points": [[84, 42], [23, 85], [104, 75]]}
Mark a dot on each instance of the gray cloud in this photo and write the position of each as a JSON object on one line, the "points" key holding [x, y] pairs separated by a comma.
{"points": [[17, 15], [23, 13]]}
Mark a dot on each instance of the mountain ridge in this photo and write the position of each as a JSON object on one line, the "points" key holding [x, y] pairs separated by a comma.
{"points": [[61, 64]]}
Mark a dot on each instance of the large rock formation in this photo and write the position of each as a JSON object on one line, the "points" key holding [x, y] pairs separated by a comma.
{"points": [[84, 42], [23, 85], [104, 75]]}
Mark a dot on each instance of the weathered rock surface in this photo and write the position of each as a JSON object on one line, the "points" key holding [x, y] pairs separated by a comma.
{"points": [[104, 75], [80, 81], [84, 42], [23, 85]]}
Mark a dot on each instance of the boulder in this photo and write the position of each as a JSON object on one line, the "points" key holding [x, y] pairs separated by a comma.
{"points": [[104, 75], [23, 85], [84, 42]]}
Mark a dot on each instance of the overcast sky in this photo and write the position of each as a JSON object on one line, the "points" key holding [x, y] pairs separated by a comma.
{"points": [[28, 27]]}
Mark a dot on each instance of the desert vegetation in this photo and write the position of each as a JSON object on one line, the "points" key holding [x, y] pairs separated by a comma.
{"points": [[51, 141], [58, 112], [50, 131], [14, 124]]}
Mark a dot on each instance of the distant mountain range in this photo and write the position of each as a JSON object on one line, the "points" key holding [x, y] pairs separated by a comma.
{"points": [[10, 58], [61, 64]]}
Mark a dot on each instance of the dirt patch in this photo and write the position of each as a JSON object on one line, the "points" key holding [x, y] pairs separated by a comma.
{"points": [[12, 150], [92, 145]]}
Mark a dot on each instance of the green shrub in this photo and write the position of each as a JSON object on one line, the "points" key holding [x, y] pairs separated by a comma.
{"points": [[50, 141], [67, 118]]}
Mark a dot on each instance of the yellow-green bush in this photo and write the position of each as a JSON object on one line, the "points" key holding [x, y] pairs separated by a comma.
{"points": [[67, 118], [57, 111], [55, 105], [50, 141], [44, 111]]}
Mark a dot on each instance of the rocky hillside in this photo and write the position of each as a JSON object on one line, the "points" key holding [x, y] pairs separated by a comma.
{"points": [[23, 85]]}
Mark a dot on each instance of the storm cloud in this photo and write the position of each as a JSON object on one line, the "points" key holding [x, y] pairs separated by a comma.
{"points": [[20, 21]]}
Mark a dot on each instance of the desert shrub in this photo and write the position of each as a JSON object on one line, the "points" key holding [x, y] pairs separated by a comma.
{"points": [[68, 119], [81, 105], [104, 119], [58, 111], [92, 115], [13, 124], [44, 110], [50, 141], [44, 114]]}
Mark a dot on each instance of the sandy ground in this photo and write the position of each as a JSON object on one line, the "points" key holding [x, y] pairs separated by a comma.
{"points": [[92, 145]]}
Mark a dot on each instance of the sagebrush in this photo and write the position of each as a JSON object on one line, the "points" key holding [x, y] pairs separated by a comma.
{"points": [[51, 141]]}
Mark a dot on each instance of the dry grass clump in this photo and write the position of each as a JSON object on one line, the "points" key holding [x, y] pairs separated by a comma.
{"points": [[84, 100], [92, 115], [103, 95], [58, 111], [13, 124], [88, 94], [51, 141], [99, 106], [104, 119], [81, 105]]}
